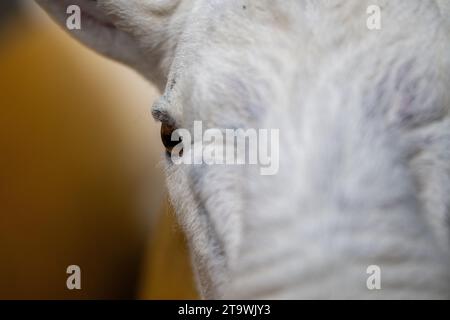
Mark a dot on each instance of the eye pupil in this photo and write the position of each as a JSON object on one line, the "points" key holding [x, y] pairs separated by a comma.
{"points": [[166, 137]]}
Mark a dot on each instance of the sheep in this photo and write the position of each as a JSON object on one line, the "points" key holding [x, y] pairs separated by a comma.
{"points": [[364, 138]]}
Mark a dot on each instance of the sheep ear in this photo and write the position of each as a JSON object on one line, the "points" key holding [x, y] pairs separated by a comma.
{"points": [[118, 36]]}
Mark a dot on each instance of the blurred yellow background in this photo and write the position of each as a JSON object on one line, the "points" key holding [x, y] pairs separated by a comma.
{"points": [[79, 176]]}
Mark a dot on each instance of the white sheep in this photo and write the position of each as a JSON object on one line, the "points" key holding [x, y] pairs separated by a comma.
{"points": [[364, 123]]}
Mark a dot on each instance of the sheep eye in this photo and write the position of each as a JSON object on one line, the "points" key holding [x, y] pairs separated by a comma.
{"points": [[167, 131]]}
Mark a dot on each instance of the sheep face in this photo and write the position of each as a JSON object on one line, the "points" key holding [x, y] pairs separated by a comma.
{"points": [[363, 173]]}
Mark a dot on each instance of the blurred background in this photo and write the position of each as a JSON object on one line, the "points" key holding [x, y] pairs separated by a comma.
{"points": [[80, 179]]}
